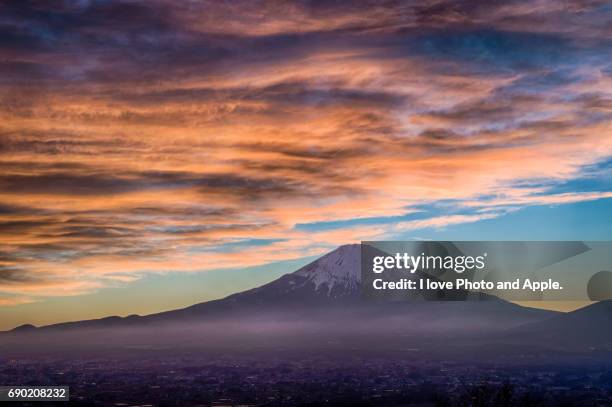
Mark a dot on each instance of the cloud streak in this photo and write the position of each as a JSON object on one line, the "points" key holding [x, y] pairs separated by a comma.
{"points": [[159, 136]]}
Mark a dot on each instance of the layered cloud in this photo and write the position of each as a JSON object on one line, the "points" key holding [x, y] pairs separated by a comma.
{"points": [[162, 136]]}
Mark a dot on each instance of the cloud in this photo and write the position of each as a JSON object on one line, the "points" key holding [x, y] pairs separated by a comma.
{"points": [[159, 136], [10, 275]]}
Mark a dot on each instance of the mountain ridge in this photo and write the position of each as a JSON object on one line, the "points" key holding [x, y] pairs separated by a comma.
{"points": [[586, 325]]}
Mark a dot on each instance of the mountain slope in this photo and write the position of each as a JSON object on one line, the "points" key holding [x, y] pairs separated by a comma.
{"points": [[591, 325]]}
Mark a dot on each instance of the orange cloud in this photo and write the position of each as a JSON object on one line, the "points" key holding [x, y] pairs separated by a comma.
{"points": [[168, 149]]}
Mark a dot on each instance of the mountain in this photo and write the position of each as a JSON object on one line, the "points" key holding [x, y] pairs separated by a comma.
{"points": [[589, 326], [329, 290]]}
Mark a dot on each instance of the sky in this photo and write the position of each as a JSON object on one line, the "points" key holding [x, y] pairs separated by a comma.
{"points": [[157, 153]]}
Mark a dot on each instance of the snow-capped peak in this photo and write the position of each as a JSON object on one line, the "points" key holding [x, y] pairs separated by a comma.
{"points": [[339, 270]]}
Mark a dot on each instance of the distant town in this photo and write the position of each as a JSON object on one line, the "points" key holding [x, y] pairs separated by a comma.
{"points": [[283, 380]]}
